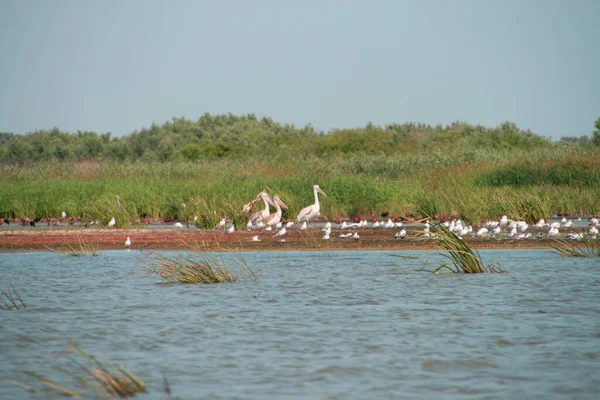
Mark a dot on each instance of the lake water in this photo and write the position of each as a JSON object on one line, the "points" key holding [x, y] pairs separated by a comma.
{"points": [[316, 325]]}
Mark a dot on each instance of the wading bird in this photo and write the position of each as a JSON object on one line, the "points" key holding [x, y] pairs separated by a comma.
{"points": [[308, 213], [262, 215], [275, 218]]}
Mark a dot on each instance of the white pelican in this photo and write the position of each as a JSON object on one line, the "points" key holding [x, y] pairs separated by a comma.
{"points": [[262, 215], [308, 213], [111, 223], [282, 232], [274, 218], [128, 243], [231, 229]]}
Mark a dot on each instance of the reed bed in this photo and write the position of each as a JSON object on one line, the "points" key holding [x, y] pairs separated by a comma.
{"points": [[107, 379], [198, 267], [10, 299], [587, 247], [466, 184]]}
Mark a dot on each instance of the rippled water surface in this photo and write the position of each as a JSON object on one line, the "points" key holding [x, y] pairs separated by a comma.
{"points": [[317, 325]]}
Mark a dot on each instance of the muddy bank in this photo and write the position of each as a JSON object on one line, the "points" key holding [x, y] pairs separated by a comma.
{"points": [[295, 239]]}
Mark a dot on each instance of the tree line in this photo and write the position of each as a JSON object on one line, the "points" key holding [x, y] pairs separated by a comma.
{"points": [[227, 135]]}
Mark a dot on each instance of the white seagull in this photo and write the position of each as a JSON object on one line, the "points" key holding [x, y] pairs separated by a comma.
{"points": [[111, 223], [231, 229], [282, 232], [128, 243]]}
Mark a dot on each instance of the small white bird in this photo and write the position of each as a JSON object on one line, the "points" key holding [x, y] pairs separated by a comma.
{"points": [[128, 243], [177, 225], [593, 231], [401, 234], [255, 238], [249, 225], [231, 229], [553, 232], [289, 224], [540, 223], [345, 235], [482, 231], [304, 226], [282, 232], [64, 214], [220, 224], [496, 230], [279, 225], [260, 225], [327, 226], [111, 223], [355, 236], [268, 228]]}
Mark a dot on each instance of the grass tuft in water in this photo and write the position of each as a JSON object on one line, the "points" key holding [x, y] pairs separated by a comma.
{"points": [[10, 299], [461, 258], [106, 378], [586, 248], [198, 267], [81, 248]]}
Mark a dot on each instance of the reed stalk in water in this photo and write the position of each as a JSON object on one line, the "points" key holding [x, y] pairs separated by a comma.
{"points": [[10, 299], [108, 379], [586, 248], [196, 267]]}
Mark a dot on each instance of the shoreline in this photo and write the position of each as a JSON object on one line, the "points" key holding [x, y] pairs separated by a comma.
{"points": [[24, 240]]}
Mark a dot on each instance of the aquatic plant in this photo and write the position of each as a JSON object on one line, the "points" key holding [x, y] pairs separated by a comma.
{"points": [[461, 258], [108, 380], [196, 267], [459, 255], [81, 248], [587, 247], [10, 299]]}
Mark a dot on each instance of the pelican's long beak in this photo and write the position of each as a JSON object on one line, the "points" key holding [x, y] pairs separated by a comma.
{"points": [[268, 199], [322, 192], [282, 204]]}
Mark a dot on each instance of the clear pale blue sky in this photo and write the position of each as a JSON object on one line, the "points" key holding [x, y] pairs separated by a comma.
{"points": [[120, 65]]}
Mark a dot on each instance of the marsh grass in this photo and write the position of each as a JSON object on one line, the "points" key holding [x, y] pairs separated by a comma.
{"points": [[198, 267], [569, 248], [108, 379], [313, 238], [460, 258], [80, 248], [10, 299]]}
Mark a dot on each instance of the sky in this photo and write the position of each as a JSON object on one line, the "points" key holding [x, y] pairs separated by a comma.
{"points": [[121, 65]]}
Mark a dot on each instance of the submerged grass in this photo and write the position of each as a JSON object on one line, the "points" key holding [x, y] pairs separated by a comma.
{"points": [[198, 267], [10, 299], [81, 248], [460, 256], [107, 379], [587, 247]]}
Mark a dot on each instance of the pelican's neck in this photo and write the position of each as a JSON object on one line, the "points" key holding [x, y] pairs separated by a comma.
{"points": [[278, 207], [266, 205], [316, 197]]}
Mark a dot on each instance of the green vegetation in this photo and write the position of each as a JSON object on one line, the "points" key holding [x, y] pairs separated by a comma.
{"points": [[211, 167], [108, 380], [461, 258], [198, 267], [588, 247], [80, 248], [10, 300]]}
